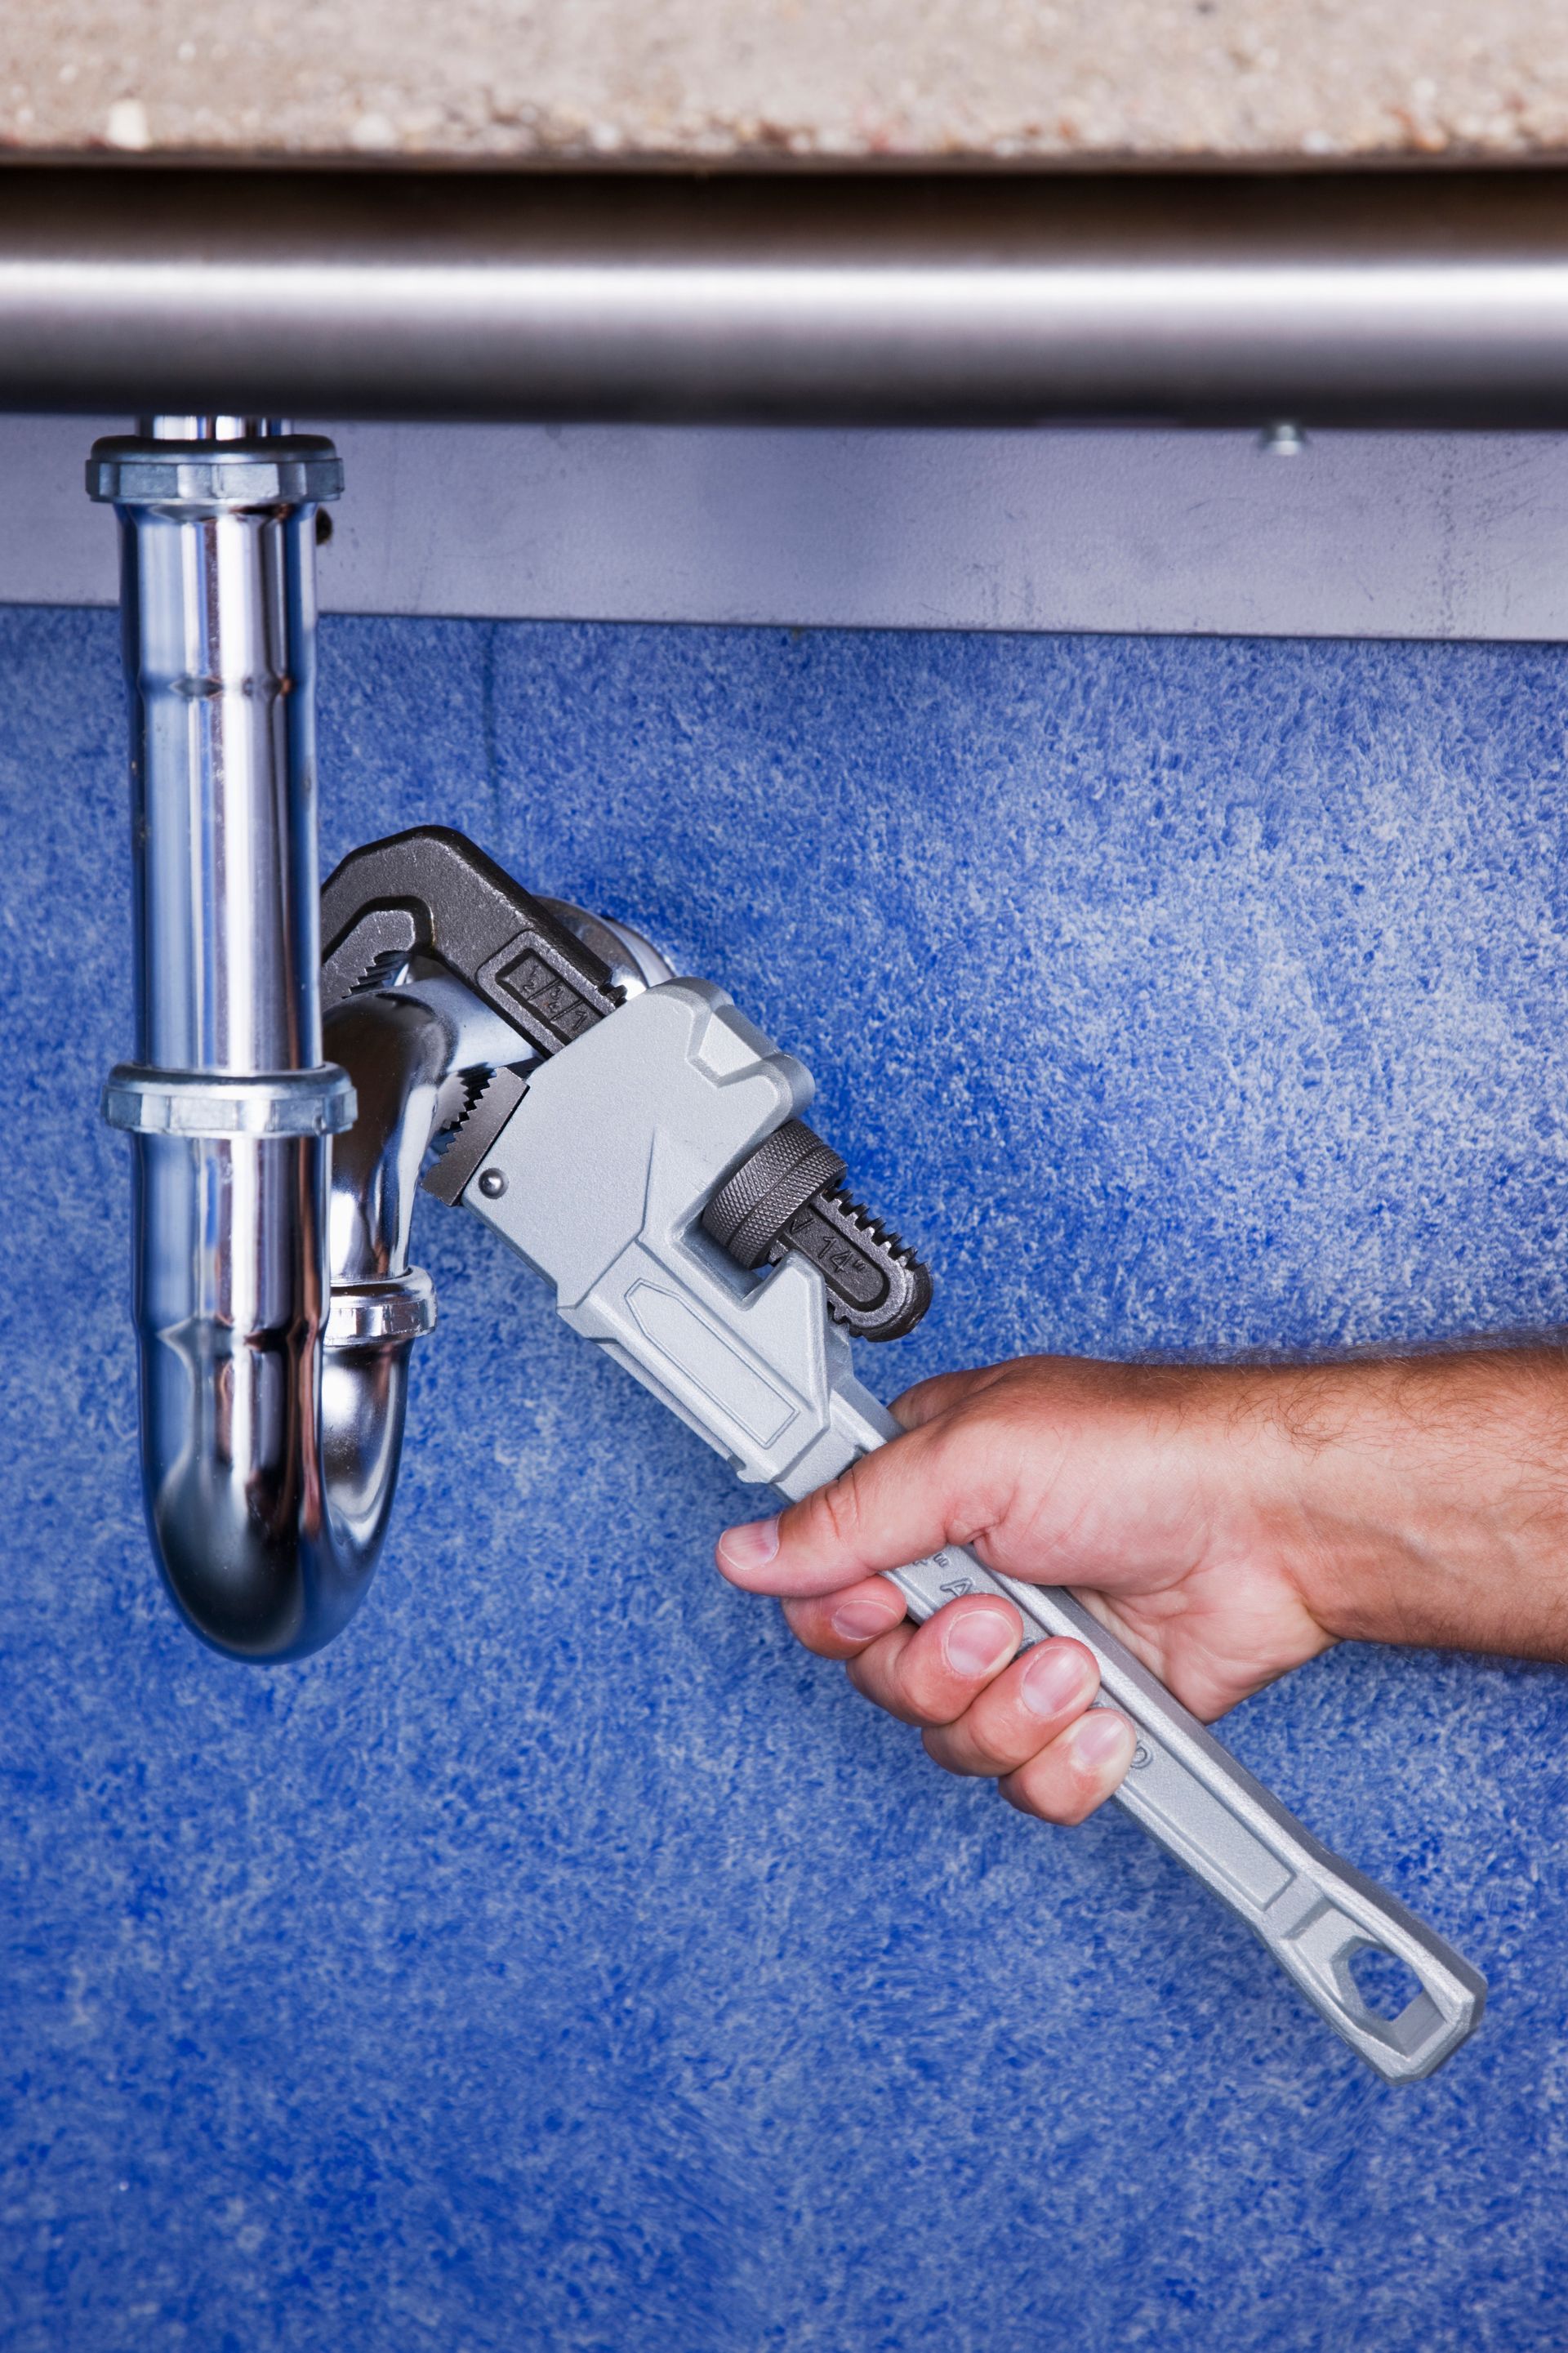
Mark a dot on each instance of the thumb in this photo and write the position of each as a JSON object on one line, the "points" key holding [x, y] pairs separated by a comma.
{"points": [[943, 1483]]}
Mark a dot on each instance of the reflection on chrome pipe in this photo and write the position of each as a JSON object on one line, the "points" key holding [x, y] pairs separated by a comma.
{"points": [[269, 1437]]}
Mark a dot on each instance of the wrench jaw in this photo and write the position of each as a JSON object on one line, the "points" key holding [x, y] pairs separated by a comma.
{"points": [[875, 1286], [433, 892], [787, 1196], [469, 1143], [425, 918], [426, 906]]}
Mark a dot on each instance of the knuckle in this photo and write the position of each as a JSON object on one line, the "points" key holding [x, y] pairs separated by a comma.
{"points": [[915, 1405], [975, 1742], [925, 1685], [874, 1675], [904, 1695], [910, 1685], [947, 1746], [1049, 1787], [1016, 1790], [866, 1676], [837, 1513], [974, 1473], [811, 1626]]}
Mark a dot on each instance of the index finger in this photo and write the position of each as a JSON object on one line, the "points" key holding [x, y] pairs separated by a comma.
{"points": [[928, 1399]]}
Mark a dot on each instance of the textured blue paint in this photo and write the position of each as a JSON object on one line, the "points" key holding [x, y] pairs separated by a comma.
{"points": [[563, 1961]]}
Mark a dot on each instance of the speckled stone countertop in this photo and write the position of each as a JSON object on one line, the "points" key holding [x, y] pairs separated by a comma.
{"points": [[768, 81]]}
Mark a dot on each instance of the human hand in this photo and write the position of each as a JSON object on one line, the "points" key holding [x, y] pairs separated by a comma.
{"points": [[1146, 1489]]}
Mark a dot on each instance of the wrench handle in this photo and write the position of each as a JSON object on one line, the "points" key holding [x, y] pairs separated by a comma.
{"points": [[1314, 1913]]}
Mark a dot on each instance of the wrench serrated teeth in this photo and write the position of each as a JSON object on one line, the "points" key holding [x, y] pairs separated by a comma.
{"points": [[496, 1095], [459, 1093], [891, 1244], [905, 1281], [377, 972]]}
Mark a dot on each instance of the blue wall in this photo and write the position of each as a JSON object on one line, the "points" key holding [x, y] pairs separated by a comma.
{"points": [[563, 1960]]}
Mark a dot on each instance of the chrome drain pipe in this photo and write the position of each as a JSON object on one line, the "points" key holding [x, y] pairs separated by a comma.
{"points": [[273, 1371]]}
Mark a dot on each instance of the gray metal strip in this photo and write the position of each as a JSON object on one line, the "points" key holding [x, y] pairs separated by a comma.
{"points": [[1362, 534]]}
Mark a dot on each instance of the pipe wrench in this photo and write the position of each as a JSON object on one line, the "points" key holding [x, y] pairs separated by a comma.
{"points": [[645, 1152]]}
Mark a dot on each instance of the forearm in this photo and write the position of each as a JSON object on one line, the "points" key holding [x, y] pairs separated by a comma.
{"points": [[1421, 1500]]}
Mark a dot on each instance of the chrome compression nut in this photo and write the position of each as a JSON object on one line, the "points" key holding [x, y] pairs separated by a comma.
{"points": [[211, 1103], [398, 1307], [299, 469]]}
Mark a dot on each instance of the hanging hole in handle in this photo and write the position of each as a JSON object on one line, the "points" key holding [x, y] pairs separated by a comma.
{"points": [[1386, 1984], [1388, 2002], [1326, 1954]]}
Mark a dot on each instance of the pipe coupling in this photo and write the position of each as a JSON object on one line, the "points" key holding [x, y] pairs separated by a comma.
{"points": [[298, 471], [394, 1307], [211, 1103]]}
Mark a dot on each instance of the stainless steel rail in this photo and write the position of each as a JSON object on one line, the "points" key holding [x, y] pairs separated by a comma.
{"points": [[1413, 299]]}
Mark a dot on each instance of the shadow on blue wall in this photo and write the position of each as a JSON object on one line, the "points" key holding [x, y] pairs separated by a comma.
{"points": [[562, 1960]]}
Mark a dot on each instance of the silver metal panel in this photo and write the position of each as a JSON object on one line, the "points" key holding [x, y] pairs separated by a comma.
{"points": [[1362, 534]]}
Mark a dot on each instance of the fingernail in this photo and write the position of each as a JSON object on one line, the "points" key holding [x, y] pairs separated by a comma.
{"points": [[750, 1546], [1053, 1679], [978, 1642], [1099, 1739], [858, 1621]]}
